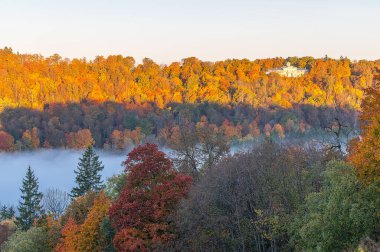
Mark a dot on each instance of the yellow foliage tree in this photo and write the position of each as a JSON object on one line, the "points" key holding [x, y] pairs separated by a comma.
{"points": [[91, 237], [365, 151]]}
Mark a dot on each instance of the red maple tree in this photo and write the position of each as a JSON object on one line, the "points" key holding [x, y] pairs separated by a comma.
{"points": [[152, 192]]}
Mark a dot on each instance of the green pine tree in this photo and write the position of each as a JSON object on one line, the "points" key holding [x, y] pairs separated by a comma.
{"points": [[11, 212], [30, 205], [88, 173], [3, 213]]}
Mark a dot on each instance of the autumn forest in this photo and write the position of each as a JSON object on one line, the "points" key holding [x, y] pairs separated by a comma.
{"points": [[116, 103], [307, 178]]}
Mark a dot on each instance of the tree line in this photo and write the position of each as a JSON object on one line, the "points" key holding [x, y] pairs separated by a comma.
{"points": [[112, 126]]}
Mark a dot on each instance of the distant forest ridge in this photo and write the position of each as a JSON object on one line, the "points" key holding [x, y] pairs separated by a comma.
{"points": [[53, 102], [32, 81]]}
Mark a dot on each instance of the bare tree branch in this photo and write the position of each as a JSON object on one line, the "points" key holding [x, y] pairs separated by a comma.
{"points": [[55, 202]]}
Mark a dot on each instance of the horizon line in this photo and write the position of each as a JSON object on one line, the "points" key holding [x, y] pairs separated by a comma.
{"points": [[139, 61]]}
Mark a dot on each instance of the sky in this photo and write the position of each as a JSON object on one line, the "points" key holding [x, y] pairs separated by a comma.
{"points": [[211, 30]]}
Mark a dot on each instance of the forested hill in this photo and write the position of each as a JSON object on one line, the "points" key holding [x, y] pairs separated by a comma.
{"points": [[52, 102], [32, 81]]}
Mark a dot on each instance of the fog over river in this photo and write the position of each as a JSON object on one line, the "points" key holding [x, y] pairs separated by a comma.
{"points": [[53, 168]]}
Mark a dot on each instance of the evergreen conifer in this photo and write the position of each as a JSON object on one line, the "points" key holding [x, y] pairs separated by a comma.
{"points": [[11, 212], [30, 205], [88, 174], [3, 212]]}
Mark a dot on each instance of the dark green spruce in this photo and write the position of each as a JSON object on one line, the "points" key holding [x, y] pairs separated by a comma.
{"points": [[88, 174], [11, 212], [30, 205], [3, 213], [6, 212]]}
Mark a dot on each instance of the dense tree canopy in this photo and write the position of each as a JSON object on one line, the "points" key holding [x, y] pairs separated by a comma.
{"points": [[55, 102], [33, 81], [338, 216], [35, 239], [112, 126], [246, 202]]}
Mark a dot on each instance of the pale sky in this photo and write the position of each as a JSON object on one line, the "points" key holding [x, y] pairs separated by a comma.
{"points": [[170, 30]]}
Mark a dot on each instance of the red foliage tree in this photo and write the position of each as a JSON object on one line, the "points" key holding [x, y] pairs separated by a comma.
{"points": [[152, 192], [6, 141]]}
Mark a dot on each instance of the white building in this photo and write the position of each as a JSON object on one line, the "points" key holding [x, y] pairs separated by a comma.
{"points": [[288, 71]]}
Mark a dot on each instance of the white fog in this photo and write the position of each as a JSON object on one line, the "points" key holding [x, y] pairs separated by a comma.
{"points": [[54, 169]]}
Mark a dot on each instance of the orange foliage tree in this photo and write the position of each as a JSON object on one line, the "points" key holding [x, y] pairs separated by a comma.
{"points": [[69, 240], [82, 230], [91, 237], [365, 151], [79, 140]]}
